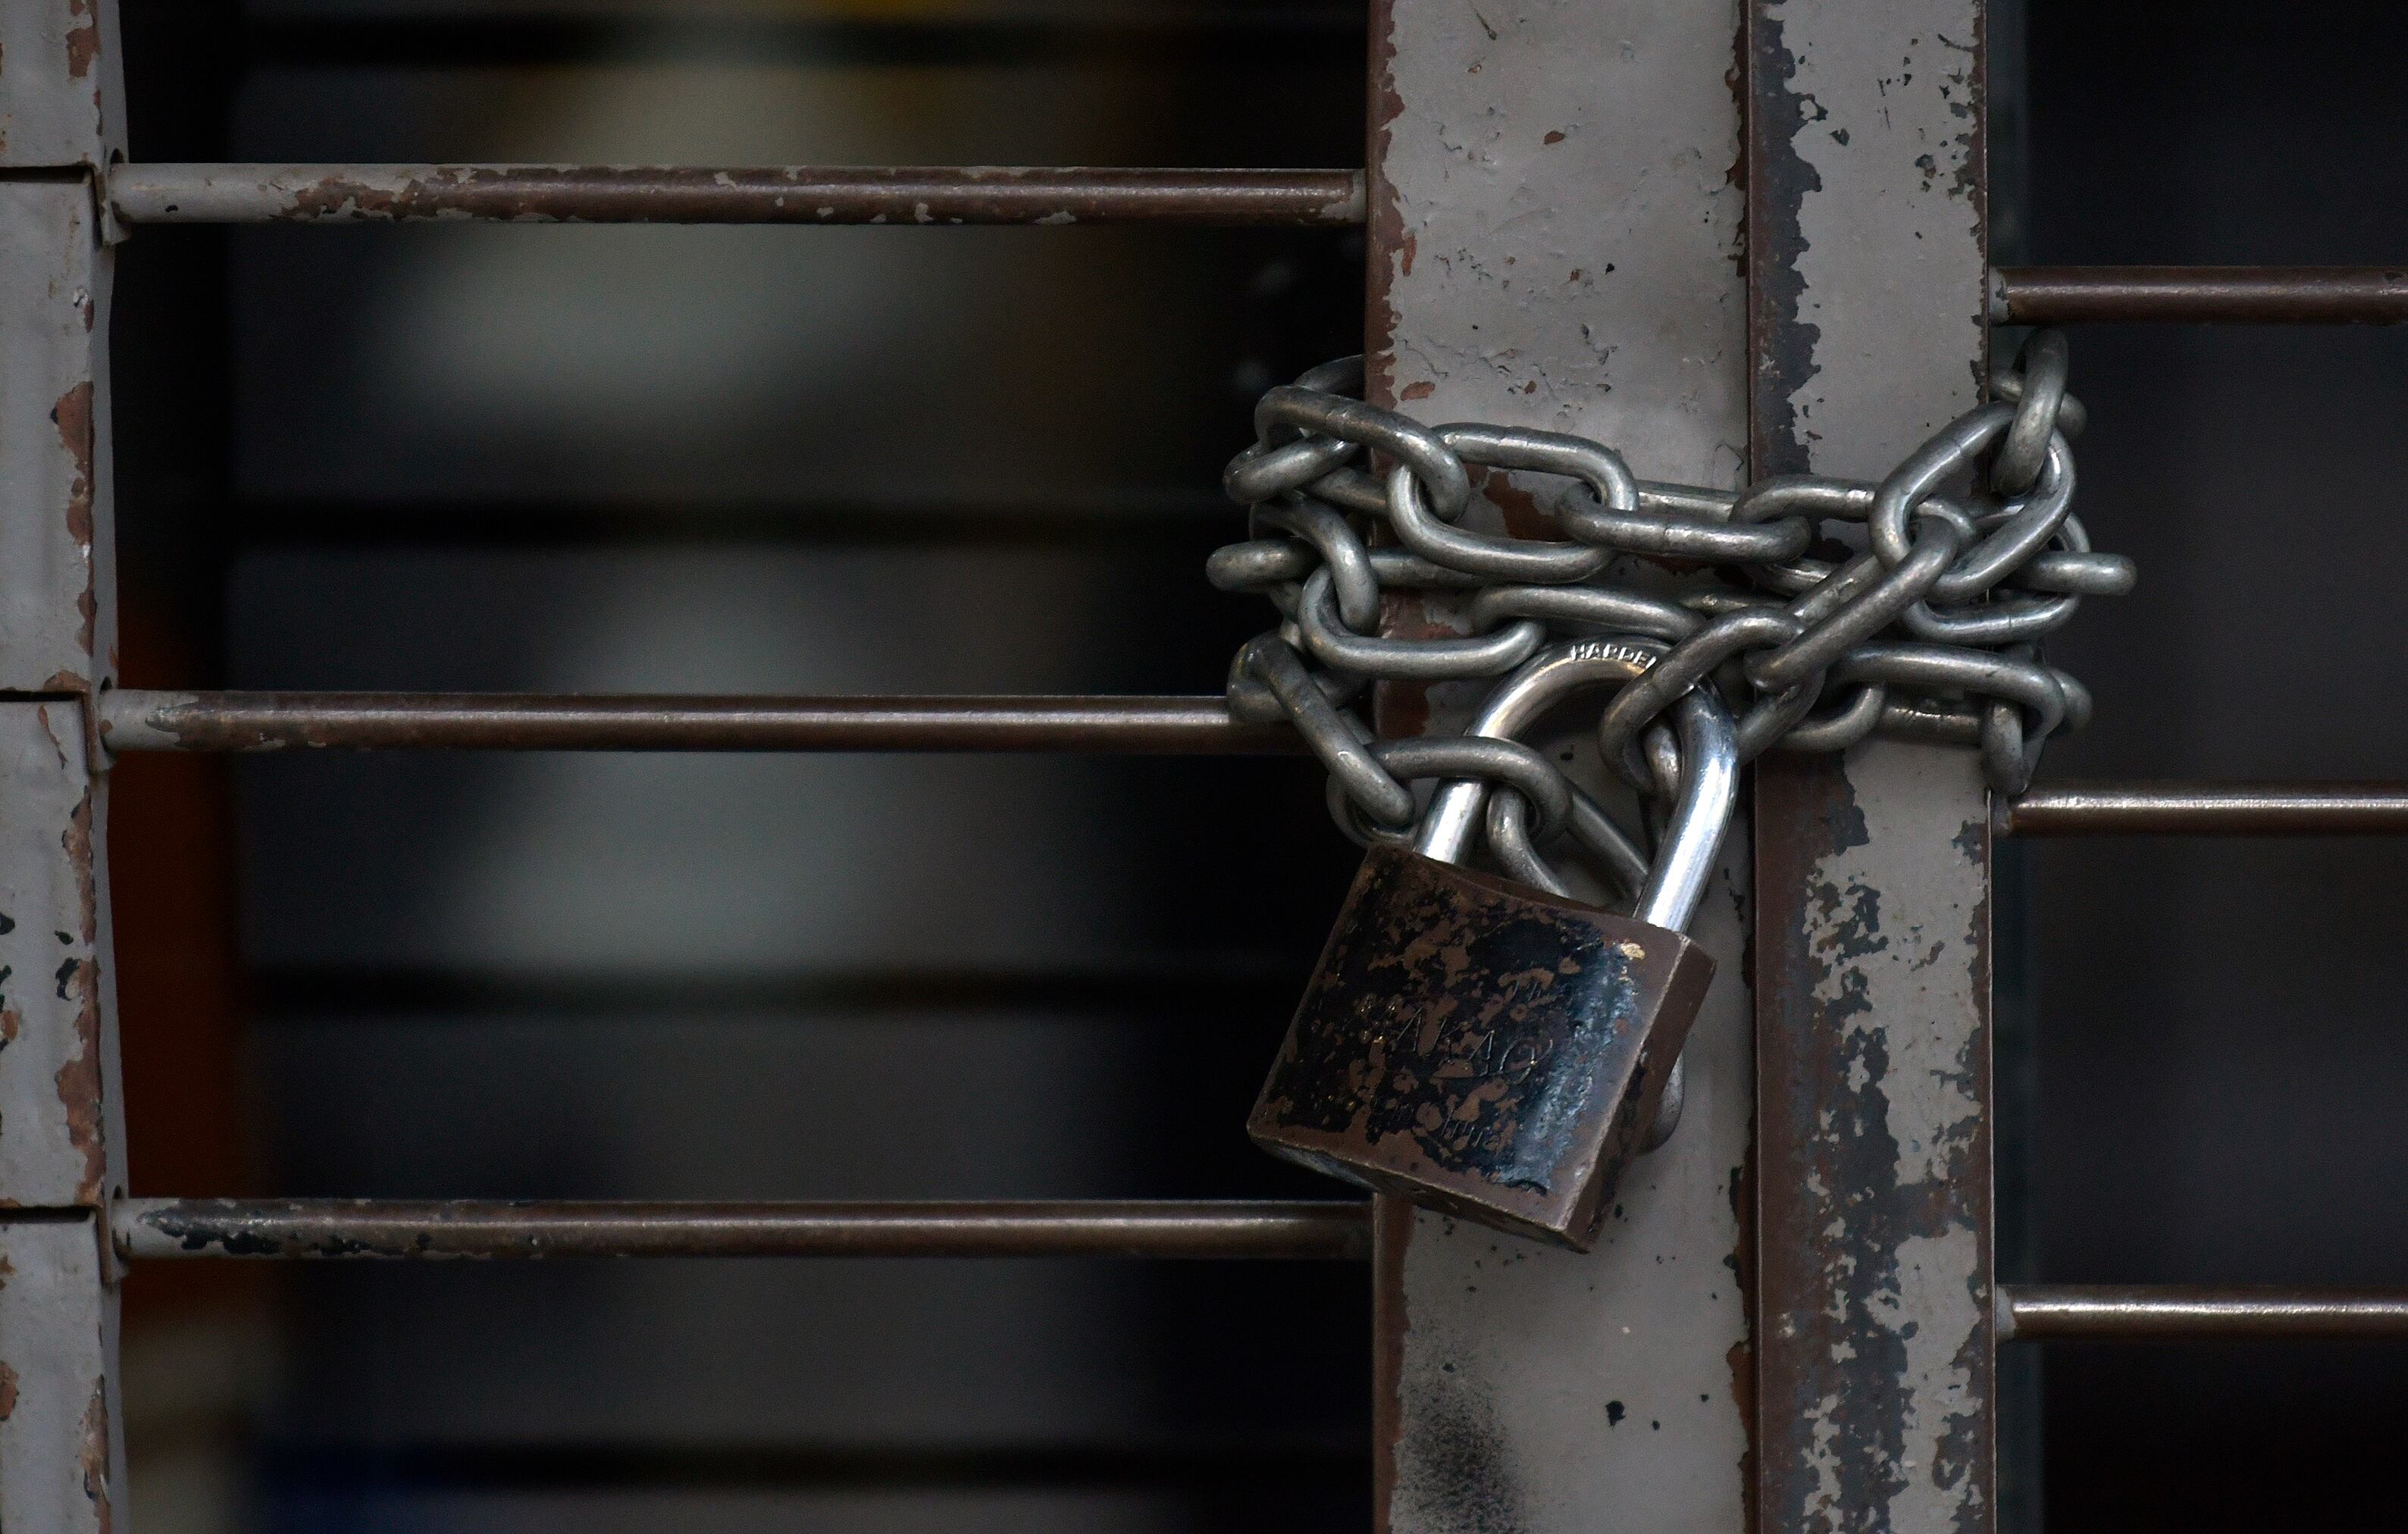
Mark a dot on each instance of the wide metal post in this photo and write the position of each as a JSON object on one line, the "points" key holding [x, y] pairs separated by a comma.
{"points": [[1555, 242], [60, 1437], [1867, 299]]}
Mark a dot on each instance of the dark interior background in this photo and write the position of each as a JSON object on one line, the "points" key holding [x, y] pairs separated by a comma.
{"points": [[886, 460], [2220, 1064]]}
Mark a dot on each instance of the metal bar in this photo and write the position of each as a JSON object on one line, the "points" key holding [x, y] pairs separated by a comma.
{"points": [[2107, 1312], [496, 1229], [133, 720], [2237, 296], [1868, 275], [2207, 810], [1555, 243], [62, 1135], [892, 194]]}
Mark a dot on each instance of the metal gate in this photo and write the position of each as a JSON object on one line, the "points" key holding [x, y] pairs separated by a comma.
{"points": [[1798, 1297]]}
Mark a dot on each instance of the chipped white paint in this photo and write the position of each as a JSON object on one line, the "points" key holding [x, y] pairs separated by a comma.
{"points": [[1875, 1203], [1892, 129], [1911, 996], [1564, 254]]}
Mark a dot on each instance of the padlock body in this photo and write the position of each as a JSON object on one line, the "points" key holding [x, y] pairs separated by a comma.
{"points": [[1482, 1048]]}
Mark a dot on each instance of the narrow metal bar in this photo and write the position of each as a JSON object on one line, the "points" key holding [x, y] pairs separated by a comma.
{"points": [[2207, 810], [892, 194], [62, 1130], [2108, 1312], [496, 1229], [1867, 239], [133, 720], [2237, 296]]}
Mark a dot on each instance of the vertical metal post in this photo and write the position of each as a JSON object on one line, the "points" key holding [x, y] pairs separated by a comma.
{"points": [[1868, 270], [1554, 241], [60, 1437]]}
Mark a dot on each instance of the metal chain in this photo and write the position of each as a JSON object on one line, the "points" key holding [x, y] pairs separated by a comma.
{"points": [[1829, 610]]}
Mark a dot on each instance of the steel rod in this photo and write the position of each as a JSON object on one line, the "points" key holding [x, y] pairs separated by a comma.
{"points": [[353, 194], [241, 193], [504, 1229], [500, 1229], [133, 720], [2059, 1313], [2210, 809], [2244, 295]]}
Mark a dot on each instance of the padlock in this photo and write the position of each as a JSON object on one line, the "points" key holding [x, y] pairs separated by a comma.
{"points": [[1486, 1049]]}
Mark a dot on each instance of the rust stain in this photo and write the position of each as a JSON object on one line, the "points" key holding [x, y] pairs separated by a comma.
{"points": [[73, 416], [1519, 507], [79, 1081], [1383, 213], [809, 194], [1421, 390], [83, 40], [8, 1392], [93, 1456]]}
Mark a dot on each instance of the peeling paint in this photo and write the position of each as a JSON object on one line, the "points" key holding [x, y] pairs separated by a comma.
{"points": [[93, 1456]]}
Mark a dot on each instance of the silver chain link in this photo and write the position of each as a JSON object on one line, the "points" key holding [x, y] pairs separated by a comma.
{"points": [[1824, 610]]}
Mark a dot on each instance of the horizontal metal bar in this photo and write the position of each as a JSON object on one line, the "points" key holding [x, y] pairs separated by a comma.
{"points": [[237, 192], [1259, 38], [2244, 295], [1318, 1231], [132, 719], [509, 1229], [2208, 809], [2093, 1312], [352, 194]]}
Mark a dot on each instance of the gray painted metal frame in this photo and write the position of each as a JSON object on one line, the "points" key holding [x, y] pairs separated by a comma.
{"points": [[1875, 1317], [1555, 242], [61, 1451]]}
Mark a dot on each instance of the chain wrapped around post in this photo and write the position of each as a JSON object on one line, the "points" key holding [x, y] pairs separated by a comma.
{"points": [[1823, 610]]}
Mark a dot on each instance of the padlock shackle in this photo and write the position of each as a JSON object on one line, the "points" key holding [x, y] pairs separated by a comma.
{"points": [[1676, 882]]}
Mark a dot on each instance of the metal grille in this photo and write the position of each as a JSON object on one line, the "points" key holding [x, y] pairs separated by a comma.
{"points": [[67, 194]]}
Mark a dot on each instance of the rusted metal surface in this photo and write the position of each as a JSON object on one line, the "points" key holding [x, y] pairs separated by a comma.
{"points": [[2207, 810], [2107, 1312], [892, 194], [1554, 241], [62, 1441], [1874, 1266], [2232, 296], [251, 722], [61, 1423], [57, 1050], [58, 620], [1481, 1047], [506, 1231], [61, 83]]}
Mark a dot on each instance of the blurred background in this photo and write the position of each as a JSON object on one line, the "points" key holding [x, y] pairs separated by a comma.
{"points": [[873, 460]]}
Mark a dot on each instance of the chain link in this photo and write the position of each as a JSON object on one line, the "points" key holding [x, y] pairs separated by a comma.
{"points": [[1824, 611]]}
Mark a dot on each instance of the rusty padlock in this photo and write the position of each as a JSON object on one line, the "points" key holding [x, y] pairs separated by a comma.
{"points": [[1484, 1048]]}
